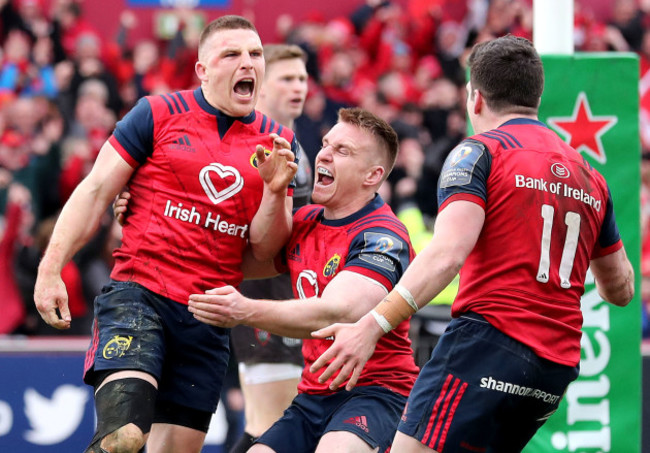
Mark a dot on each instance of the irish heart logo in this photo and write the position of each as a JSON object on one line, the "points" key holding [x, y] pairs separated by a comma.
{"points": [[223, 172]]}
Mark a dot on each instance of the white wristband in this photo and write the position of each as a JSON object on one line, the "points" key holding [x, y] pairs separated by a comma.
{"points": [[383, 322], [408, 297]]}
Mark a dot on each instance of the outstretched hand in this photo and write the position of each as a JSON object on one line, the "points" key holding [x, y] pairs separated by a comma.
{"points": [[277, 168], [353, 345], [221, 307]]}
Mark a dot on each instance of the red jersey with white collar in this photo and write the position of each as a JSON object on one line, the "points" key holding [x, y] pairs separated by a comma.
{"points": [[194, 192], [373, 243], [548, 212]]}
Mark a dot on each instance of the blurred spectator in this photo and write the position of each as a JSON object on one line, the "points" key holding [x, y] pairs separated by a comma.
{"points": [[442, 97], [27, 266], [88, 65], [21, 75], [14, 225], [70, 26], [408, 168], [645, 240], [630, 21], [29, 148], [644, 90]]}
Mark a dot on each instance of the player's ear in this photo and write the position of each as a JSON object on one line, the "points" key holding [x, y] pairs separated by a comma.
{"points": [[479, 101], [375, 175], [201, 73]]}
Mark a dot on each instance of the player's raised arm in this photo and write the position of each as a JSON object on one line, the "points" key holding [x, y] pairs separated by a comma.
{"points": [[271, 226]]}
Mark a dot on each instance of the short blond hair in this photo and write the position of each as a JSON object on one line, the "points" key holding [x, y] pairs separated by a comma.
{"points": [[279, 52]]}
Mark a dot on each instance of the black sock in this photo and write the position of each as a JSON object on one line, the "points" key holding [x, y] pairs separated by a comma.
{"points": [[243, 444]]}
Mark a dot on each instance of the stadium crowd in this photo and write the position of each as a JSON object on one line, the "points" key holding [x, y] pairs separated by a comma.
{"points": [[63, 86]]}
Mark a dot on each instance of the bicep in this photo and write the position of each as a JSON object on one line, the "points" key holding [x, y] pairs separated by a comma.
{"points": [[458, 227], [109, 174]]}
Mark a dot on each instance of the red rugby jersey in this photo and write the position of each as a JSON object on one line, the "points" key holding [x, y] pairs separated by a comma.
{"points": [[548, 212], [194, 192], [373, 243]]}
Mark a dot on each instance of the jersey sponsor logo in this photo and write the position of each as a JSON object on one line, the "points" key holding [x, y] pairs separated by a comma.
{"points": [[521, 390], [117, 347], [332, 265], [307, 284], [557, 188], [210, 220], [233, 182], [223, 171], [253, 159], [459, 166], [560, 171], [359, 422]]}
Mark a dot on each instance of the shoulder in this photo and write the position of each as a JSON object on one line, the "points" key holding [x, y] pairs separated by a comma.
{"points": [[382, 219], [266, 126], [171, 103], [307, 212]]}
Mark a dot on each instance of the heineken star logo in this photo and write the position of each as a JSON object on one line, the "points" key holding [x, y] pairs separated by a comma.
{"points": [[583, 130]]}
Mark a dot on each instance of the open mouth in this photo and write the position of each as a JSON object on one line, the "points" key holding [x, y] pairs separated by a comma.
{"points": [[245, 87], [325, 177]]}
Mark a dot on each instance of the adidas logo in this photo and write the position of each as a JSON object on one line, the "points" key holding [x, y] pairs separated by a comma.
{"points": [[359, 422], [183, 144], [294, 253]]}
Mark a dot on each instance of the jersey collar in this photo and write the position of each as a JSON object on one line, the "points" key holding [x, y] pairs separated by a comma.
{"points": [[375, 204], [523, 121], [205, 105], [223, 121]]}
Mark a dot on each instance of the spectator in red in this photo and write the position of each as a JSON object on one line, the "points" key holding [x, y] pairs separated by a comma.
{"points": [[11, 303]]}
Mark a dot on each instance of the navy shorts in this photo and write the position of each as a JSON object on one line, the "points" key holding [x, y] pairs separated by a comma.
{"points": [[136, 329], [482, 391], [372, 413]]}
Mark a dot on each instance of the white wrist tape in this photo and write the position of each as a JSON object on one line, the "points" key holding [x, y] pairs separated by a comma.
{"points": [[408, 297], [383, 322]]}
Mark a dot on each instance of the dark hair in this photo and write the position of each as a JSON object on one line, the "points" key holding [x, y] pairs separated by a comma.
{"points": [[279, 52], [509, 74], [383, 133], [228, 22]]}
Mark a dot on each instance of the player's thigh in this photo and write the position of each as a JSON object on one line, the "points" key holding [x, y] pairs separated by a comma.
{"points": [[266, 402], [405, 443], [277, 394], [166, 438], [260, 448], [343, 442]]}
